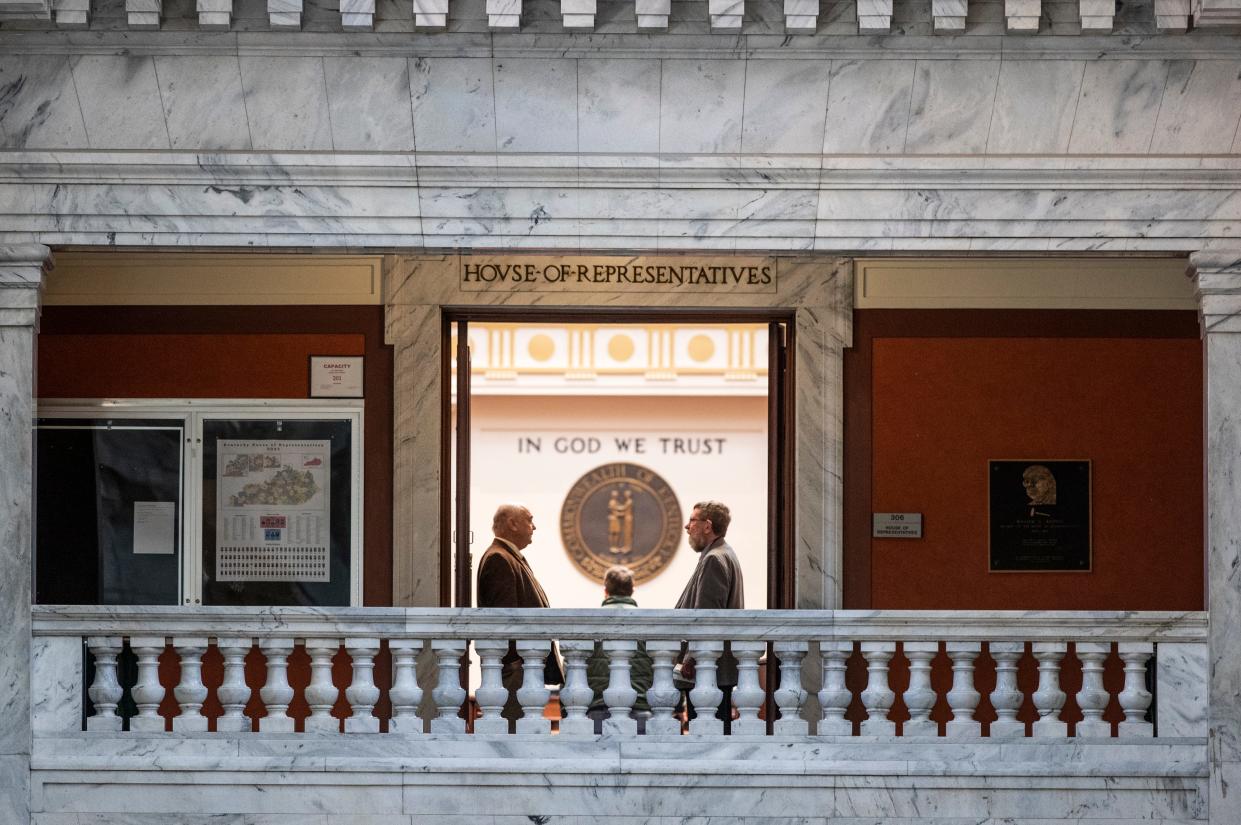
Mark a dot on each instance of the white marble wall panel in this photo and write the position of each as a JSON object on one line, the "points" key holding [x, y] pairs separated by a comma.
{"points": [[56, 676], [777, 121], [1200, 108], [454, 104], [366, 103], [186, 85], [868, 106], [618, 105], [1118, 105], [1034, 106], [536, 105], [1182, 678], [701, 106], [38, 103], [951, 105], [120, 102], [286, 102]]}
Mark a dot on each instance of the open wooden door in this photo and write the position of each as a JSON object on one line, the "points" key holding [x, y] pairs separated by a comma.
{"points": [[781, 489]]}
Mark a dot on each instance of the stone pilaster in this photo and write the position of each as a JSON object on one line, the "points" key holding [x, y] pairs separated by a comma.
{"points": [[21, 279], [1218, 277]]}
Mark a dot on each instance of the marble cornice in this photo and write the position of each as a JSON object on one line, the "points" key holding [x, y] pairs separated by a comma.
{"points": [[581, 171], [1217, 281], [411, 44], [21, 283]]}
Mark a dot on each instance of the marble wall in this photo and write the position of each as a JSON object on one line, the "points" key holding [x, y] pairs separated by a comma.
{"points": [[21, 274], [243, 98]]}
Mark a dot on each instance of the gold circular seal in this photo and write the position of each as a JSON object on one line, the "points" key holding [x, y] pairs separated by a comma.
{"points": [[621, 514]]}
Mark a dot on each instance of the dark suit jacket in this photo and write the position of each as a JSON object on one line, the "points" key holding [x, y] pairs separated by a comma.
{"points": [[506, 580], [717, 584]]}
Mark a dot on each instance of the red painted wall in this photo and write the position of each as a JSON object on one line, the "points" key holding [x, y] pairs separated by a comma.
{"points": [[943, 404], [232, 352]]}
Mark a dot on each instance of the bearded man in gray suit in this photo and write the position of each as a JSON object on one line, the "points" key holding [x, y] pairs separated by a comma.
{"points": [[715, 584]]}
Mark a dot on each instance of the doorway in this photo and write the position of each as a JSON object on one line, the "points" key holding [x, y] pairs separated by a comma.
{"points": [[609, 425]]}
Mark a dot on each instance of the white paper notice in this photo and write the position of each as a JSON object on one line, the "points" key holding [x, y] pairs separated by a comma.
{"points": [[155, 527]]}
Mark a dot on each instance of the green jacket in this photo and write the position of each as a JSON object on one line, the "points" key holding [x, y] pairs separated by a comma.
{"points": [[640, 673]]}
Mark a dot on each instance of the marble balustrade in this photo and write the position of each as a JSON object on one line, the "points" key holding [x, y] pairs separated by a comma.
{"points": [[1158, 663]]}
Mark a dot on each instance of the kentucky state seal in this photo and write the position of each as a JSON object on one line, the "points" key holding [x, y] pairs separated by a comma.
{"points": [[621, 514]]}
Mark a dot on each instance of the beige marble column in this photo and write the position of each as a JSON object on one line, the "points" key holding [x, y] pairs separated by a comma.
{"points": [[21, 279], [1219, 293]]}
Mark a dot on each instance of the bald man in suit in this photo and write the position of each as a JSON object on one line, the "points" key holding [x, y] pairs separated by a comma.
{"points": [[506, 580]]}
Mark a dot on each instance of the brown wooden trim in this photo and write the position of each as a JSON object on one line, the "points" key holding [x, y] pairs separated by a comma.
{"points": [[951, 323], [446, 491], [618, 315]]}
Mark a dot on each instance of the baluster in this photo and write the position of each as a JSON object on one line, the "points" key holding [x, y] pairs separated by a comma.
{"points": [[233, 692], [491, 694], [619, 695], [533, 695], [1006, 698], [576, 694], [963, 698], [878, 696], [448, 693], [920, 697], [834, 698], [1049, 698], [1135, 698], [147, 692], [1093, 698], [190, 691], [663, 695], [105, 691], [405, 695], [706, 696], [276, 692], [748, 696], [362, 692], [790, 695], [321, 694]]}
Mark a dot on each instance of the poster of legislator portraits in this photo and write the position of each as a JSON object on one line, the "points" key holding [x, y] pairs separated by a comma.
{"points": [[278, 523]]}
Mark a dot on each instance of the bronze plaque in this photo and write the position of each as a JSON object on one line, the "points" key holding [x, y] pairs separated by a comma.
{"points": [[621, 514], [1039, 515]]}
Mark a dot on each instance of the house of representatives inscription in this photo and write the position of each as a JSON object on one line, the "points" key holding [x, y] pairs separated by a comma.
{"points": [[647, 273]]}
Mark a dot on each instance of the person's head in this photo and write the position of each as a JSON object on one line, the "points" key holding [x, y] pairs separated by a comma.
{"points": [[618, 581], [513, 523], [708, 522], [1040, 484]]}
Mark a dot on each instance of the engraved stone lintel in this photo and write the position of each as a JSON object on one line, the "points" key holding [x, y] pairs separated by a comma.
{"points": [[949, 15]]}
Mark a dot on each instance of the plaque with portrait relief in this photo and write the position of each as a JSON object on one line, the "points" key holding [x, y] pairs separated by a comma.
{"points": [[1039, 514], [621, 513]]}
